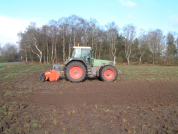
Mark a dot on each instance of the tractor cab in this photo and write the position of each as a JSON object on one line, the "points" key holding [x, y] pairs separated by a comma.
{"points": [[83, 53]]}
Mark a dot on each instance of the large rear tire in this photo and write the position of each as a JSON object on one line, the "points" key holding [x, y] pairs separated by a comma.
{"points": [[75, 71], [108, 73]]}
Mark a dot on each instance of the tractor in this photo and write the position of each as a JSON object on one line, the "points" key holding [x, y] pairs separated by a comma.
{"points": [[82, 65]]}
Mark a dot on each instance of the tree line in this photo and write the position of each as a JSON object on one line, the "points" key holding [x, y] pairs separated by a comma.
{"points": [[9, 53], [53, 43]]}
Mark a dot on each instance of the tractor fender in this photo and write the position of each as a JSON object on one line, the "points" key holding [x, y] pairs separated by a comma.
{"points": [[75, 59]]}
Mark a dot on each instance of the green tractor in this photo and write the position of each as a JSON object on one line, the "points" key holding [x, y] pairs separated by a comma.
{"points": [[82, 65]]}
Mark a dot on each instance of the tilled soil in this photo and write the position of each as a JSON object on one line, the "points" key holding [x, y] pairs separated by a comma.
{"points": [[92, 107]]}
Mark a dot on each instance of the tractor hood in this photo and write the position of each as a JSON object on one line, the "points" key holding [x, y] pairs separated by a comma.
{"points": [[98, 62]]}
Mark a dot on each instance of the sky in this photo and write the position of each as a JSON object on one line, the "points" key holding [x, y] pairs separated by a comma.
{"points": [[16, 15]]}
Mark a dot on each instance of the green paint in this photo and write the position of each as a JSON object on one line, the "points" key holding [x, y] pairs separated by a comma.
{"points": [[85, 53]]}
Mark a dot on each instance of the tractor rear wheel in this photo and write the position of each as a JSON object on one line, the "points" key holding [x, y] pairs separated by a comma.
{"points": [[108, 73], [75, 71]]}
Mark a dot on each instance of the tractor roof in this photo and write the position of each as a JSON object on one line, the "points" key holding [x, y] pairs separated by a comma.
{"points": [[82, 47]]}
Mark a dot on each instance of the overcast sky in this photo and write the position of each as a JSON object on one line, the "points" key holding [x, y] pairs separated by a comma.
{"points": [[16, 15]]}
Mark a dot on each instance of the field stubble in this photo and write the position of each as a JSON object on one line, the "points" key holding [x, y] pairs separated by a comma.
{"points": [[142, 100]]}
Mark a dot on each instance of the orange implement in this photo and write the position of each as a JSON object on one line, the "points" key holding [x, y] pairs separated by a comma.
{"points": [[52, 75]]}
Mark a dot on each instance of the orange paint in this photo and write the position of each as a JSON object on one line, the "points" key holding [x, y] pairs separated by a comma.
{"points": [[52, 75]]}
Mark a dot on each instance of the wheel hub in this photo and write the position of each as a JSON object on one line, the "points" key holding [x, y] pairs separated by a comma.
{"points": [[75, 71], [109, 74]]}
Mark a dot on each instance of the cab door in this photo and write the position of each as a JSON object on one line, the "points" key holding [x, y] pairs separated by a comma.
{"points": [[85, 54]]}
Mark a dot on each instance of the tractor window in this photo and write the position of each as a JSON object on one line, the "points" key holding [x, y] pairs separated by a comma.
{"points": [[76, 53], [85, 53]]}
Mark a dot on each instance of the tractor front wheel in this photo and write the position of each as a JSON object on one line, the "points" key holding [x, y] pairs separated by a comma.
{"points": [[75, 71], [108, 73]]}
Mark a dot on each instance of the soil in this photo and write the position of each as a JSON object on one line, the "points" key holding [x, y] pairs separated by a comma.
{"points": [[88, 107]]}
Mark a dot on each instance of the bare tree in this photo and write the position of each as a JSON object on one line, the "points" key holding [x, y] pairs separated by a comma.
{"points": [[53, 33], [70, 31], [93, 23], [62, 26], [157, 44], [31, 38], [46, 34], [23, 44], [129, 34], [171, 47], [85, 31], [76, 22], [9, 52], [143, 44], [113, 33], [100, 40]]}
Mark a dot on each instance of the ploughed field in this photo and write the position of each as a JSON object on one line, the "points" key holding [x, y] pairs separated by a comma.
{"points": [[143, 99]]}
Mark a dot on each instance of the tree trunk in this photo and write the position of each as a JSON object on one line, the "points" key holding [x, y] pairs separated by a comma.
{"points": [[128, 61], [69, 47], [92, 42], [74, 37], [99, 55], [140, 60], [96, 48], [32, 59], [44, 56], [55, 52], [52, 58], [26, 56], [114, 60], [40, 56], [55, 57], [31, 56], [26, 59], [93, 36], [63, 45], [173, 58], [47, 54], [63, 51], [40, 52], [74, 41], [100, 51], [40, 59]]}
